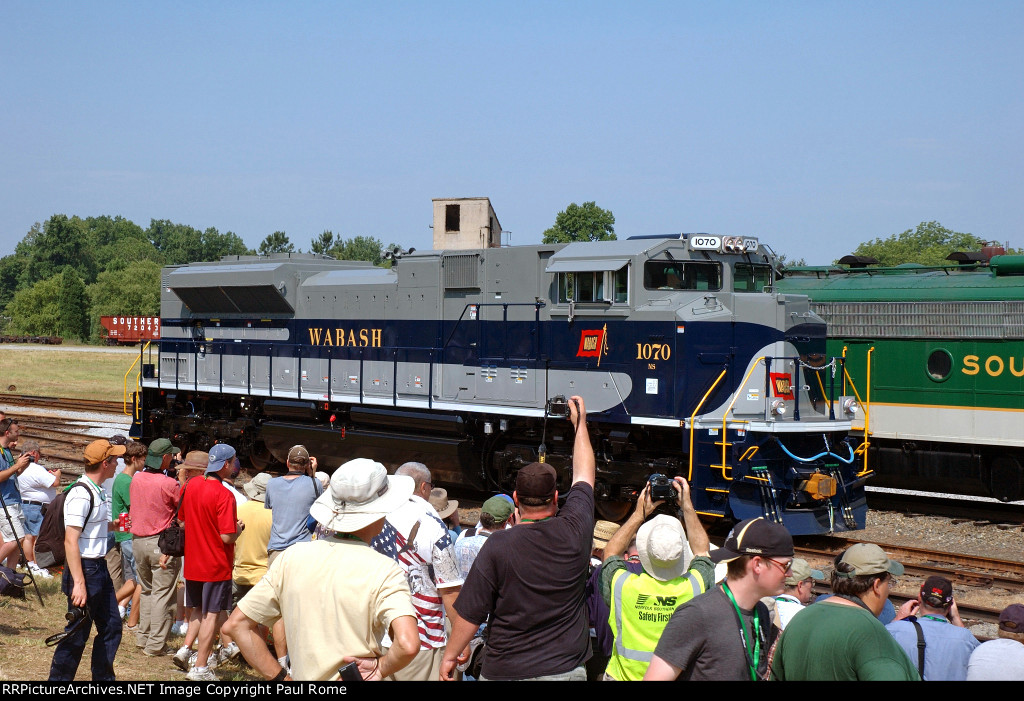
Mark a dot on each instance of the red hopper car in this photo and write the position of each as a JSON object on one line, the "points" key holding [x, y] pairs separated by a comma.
{"points": [[126, 330]]}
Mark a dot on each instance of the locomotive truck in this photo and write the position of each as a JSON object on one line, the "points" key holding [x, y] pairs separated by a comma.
{"points": [[691, 363]]}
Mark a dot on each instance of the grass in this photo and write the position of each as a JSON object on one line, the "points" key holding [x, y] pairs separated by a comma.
{"points": [[49, 372], [24, 656]]}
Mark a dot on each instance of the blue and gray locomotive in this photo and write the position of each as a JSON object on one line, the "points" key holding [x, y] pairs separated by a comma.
{"points": [[691, 363]]}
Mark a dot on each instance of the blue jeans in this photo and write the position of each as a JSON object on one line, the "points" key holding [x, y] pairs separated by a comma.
{"points": [[102, 607]]}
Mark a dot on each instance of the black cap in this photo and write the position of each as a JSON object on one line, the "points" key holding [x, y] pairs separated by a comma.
{"points": [[755, 537]]}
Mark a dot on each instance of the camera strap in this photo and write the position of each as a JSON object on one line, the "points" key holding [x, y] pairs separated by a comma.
{"points": [[57, 637]]}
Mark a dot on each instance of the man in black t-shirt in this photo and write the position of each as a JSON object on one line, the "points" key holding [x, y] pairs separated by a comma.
{"points": [[531, 579]]}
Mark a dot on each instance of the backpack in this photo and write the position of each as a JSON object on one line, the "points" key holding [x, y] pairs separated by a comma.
{"points": [[50, 542], [12, 583]]}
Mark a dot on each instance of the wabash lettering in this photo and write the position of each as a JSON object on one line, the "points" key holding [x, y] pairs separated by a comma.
{"points": [[345, 338]]}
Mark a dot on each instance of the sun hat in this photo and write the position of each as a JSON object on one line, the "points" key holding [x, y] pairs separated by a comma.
{"points": [[361, 492], [603, 532], [256, 488], [442, 505], [662, 547]]}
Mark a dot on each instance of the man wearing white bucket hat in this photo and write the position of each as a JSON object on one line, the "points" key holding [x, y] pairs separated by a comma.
{"points": [[676, 568], [337, 596]]}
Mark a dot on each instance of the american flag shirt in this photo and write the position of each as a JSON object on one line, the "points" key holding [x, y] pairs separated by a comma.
{"points": [[428, 561]]}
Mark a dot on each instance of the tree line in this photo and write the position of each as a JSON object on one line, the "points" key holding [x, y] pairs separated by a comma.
{"points": [[68, 271]]}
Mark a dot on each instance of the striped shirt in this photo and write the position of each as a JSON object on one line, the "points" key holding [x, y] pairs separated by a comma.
{"points": [[92, 543]]}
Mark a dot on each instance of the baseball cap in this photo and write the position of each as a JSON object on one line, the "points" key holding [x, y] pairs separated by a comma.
{"points": [[219, 454], [802, 570], [1012, 619], [755, 537], [98, 451], [298, 456], [157, 450], [868, 558], [937, 591], [499, 507], [537, 480]]}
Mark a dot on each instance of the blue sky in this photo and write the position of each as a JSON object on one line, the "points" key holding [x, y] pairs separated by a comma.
{"points": [[813, 125]]}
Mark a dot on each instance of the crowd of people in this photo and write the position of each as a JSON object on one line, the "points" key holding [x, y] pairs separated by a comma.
{"points": [[368, 575]]}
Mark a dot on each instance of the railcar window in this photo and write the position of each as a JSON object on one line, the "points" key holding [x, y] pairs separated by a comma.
{"points": [[940, 364], [676, 275], [751, 278]]}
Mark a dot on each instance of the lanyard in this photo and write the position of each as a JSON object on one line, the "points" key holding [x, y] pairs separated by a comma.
{"points": [[755, 639], [857, 600], [940, 619], [534, 520]]}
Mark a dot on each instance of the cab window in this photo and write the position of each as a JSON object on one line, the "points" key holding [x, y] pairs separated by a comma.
{"points": [[594, 286]]}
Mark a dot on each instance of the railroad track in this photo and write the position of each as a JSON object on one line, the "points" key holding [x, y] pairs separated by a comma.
{"points": [[970, 573], [60, 404]]}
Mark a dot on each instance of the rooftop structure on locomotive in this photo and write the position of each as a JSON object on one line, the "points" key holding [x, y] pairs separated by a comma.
{"points": [[689, 360], [939, 351]]}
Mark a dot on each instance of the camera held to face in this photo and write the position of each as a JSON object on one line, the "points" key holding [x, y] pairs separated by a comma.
{"points": [[661, 487]]}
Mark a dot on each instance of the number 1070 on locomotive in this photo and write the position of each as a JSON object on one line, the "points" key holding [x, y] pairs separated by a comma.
{"points": [[690, 361]]}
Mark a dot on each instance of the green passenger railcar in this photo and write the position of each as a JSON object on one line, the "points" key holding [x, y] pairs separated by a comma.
{"points": [[944, 408]]}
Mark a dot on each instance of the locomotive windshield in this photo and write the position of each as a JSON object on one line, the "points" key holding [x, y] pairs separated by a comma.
{"points": [[748, 277], [679, 275]]}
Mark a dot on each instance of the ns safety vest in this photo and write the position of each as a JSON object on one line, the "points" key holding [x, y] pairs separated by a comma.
{"points": [[641, 607]]}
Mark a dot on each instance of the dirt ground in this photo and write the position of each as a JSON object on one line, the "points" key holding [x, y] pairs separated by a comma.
{"points": [[24, 625]]}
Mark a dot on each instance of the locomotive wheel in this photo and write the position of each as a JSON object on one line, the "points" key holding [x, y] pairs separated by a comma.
{"points": [[613, 510], [260, 457], [1005, 478]]}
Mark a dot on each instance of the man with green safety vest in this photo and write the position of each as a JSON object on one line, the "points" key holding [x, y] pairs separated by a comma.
{"points": [[674, 571]]}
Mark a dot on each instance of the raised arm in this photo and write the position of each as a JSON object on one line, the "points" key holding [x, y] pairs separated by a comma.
{"points": [[583, 462]]}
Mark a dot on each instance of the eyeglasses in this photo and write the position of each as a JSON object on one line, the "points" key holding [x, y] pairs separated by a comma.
{"points": [[784, 566]]}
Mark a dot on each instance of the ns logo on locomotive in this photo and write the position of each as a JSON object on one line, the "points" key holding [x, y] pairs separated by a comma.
{"points": [[690, 361]]}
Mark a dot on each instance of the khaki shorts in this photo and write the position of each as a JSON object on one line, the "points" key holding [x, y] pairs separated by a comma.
{"points": [[14, 510]]}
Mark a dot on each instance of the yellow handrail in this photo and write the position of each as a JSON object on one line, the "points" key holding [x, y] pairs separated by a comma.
{"points": [[867, 415], [735, 396], [707, 394], [136, 383]]}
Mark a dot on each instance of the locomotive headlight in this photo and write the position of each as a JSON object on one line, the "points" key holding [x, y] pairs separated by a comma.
{"points": [[850, 406], [778, 407]]}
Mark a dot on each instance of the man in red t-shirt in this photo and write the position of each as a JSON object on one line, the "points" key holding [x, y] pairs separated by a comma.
{"points": [[211, 528]]}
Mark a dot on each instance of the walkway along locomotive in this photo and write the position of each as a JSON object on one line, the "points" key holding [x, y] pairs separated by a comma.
{"points": [[689, 361], [939, 352]]}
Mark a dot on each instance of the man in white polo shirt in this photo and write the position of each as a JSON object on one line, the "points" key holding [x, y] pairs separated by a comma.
{"points": [[86, 580]]}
